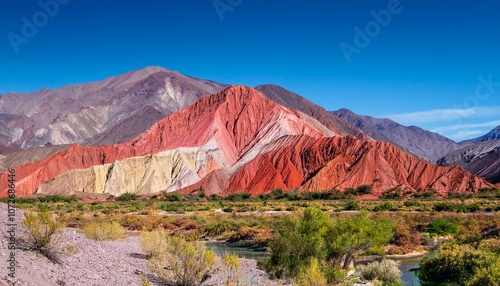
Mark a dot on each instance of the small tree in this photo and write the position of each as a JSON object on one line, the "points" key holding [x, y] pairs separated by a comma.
{"points": [[296, 242], [42, 233], [349, 237], [184, 263]]}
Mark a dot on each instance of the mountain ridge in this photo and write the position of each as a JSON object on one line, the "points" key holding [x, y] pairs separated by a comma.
{"points": [[78, 113], [233, 140], [415, 140], [194, 126]]}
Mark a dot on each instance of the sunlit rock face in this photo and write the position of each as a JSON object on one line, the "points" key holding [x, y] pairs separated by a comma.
{"points": [[232, 141]]}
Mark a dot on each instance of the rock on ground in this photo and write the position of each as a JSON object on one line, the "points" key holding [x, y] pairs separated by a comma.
{"points": [[96, 263]]}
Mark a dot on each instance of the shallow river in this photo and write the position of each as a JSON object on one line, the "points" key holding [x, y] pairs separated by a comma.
{"points": [[408, 276]]}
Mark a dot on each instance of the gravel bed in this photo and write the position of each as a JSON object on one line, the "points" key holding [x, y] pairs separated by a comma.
{"points": [[96, 263]]}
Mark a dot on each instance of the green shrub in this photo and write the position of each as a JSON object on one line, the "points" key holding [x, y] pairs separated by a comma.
{"points": [[441, 227], [459, 208], [411, 203], [351, 205], [219, 227], [364, 189], [173, 197], [460, 265], [335, 243], [127, 197], [42, 233], [238, 197], [393, 193], [387, 206], [104, 231], [43, 208]]}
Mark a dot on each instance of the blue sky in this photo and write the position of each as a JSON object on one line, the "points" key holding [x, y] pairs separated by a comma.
{"points": [[434, 64]]}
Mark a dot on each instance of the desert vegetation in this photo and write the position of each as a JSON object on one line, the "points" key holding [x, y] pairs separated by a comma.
{"points": [[177, 261], [385, 272], [317, 247], [314, 240], [104, 230], [41, 233], [462, 265]]}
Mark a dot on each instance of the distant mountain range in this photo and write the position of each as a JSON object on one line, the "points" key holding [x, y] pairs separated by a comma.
{"points": [[415, 140], [105, 112], [155, 130], [482, 159], [479, 156]]}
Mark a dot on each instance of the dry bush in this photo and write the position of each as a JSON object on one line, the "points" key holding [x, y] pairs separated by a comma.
{"points": [[42, 233], [231, 264], [490, 244], [153, 243], [386, 271], [183, 262], [260, 236], [405, 241], [74, 220], [104, 231], [310, 275], [71, 249], [145, 281]]}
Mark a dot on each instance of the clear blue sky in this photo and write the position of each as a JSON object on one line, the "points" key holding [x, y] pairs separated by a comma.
{"points": [[420, 68]]}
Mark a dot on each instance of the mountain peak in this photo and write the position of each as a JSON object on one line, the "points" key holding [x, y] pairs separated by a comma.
{"points": [[415, 140], [494, 134], [153, 69], [343, 111], [292, 100]]}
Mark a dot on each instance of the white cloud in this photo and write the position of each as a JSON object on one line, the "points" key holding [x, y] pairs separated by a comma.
{"points": [[460, 132], [465, 134], [440, 115], [455, 127]]}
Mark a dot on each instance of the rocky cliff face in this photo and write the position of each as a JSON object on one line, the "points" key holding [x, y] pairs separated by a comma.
{"points": [[343, 162], [89, 113], [234, 140]]}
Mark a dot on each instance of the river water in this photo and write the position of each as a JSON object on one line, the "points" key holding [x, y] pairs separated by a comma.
{"points": [[408, 277]]}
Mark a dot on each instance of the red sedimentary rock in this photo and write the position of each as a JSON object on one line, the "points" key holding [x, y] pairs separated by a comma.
{"points": [[263, 146]]}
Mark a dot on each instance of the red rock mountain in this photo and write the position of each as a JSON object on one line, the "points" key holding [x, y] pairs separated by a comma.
{"points": [[294, 101], [234, 140]]}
